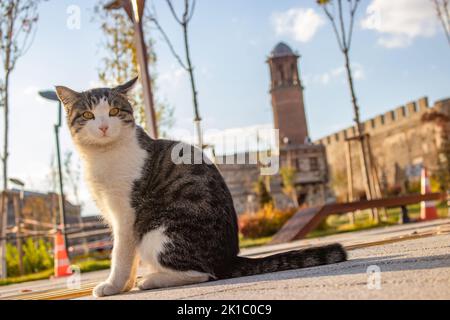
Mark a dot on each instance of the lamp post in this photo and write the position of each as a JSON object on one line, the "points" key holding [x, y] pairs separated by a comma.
{"points": [[51, 95], [134, 10], [18, 207]]}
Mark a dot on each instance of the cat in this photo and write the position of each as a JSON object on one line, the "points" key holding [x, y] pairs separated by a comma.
{"points": [[177, 218]]}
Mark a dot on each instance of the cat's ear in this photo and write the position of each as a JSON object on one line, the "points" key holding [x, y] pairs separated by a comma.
{"points": [[67, 96], [126, 87]]}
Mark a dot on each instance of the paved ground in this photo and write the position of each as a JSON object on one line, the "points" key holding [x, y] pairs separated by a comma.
{"points": [[411, 269]]}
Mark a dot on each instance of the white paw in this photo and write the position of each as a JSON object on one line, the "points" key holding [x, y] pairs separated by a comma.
{"points": [[105, 289], [146, 284]]}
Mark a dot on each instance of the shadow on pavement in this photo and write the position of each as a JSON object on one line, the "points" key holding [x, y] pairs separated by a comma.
{"points": [[354, 266]]}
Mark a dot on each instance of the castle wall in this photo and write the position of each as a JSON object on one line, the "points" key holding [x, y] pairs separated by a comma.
{"points": [[401, 143]]}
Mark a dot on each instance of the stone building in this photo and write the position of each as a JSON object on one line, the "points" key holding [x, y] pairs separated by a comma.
{"points": [[402, 140], [294, 148]]}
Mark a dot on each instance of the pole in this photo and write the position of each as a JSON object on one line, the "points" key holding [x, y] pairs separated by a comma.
{"points": [[62, 207], [359, 129], [3, 222], [150, 114], [350, 198], [17, 213], [376, 180], [134, 12], [197, 118]]}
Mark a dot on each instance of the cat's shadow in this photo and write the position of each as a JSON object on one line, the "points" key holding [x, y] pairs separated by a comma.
{"points": [[353, 266]]}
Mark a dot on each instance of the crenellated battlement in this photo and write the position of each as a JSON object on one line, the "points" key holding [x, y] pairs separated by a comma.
{"points": [[388, 119]]}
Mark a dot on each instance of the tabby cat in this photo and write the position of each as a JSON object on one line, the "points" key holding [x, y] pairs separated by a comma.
{"points": [[175, 217]]}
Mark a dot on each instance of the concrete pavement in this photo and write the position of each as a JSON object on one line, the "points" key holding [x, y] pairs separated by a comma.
{"points": [[413, 269]]}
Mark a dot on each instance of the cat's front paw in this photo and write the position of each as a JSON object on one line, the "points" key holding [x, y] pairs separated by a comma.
{"points": [[105, 289]]}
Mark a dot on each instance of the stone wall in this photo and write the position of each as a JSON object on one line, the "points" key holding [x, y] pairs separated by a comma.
{"points": [[401, 142], [311, 177]]}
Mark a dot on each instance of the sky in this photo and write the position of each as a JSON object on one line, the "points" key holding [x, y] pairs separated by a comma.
{"points": [[399, 54]]}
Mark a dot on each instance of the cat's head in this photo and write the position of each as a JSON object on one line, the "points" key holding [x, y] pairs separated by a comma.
{"points": [[98, 116]]}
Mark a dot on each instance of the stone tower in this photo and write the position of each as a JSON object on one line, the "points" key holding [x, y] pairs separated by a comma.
{"points": [[287, 96]]}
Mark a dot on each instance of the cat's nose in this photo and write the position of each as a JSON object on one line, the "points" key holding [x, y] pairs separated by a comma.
{"points": [[103, 128]]}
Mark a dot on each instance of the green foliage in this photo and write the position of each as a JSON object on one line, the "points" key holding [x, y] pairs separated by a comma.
{"points": [[262, 192], [266, 222], [37, 256], [288, 179], [253, 242], [29, 277], [93, 265], [12, 260], [85, 266]]}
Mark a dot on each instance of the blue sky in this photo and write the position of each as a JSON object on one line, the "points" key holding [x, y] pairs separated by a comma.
{"points": [[399, 54]]}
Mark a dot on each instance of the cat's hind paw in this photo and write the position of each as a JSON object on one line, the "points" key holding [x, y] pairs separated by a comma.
{"points": [[104, 289]]}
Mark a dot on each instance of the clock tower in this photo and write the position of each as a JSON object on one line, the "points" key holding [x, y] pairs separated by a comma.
{"points": [[287, 96]]}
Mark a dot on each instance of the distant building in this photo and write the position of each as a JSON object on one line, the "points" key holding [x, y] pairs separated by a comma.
{"points": [[40, 207], [40, 212], [295, 148], [402, 141]]}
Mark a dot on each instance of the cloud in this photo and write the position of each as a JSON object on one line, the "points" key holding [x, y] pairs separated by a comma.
{"points": [[337, 74], [33, 92], [298, 23], [173, 76], [399, 22]]}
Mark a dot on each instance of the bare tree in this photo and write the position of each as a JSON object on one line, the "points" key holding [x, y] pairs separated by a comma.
{"points": [[343, 29], [17, 29], [443, 13], [183, 21]]}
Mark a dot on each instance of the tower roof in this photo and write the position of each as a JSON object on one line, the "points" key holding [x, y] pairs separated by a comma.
{"points": [[281, 50]]}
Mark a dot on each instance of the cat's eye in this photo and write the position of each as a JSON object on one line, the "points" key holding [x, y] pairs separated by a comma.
{"points": [[114, 112], [87, 115]]}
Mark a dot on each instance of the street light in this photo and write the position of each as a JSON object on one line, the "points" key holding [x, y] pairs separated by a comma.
{"points": [[134, 10], [17, 182], [18, 208], [51, 95]]}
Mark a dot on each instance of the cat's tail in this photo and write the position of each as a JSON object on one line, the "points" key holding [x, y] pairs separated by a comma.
{"points": [[303, 258]]}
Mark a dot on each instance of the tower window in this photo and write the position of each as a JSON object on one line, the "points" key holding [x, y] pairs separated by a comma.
{"points": [[281, 75], [294, 76]]}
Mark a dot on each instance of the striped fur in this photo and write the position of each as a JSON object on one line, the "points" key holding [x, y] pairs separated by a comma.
{"points": [[178, 218]]}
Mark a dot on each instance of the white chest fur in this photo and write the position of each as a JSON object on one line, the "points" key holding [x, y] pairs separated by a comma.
{"points": [[110, 175]]}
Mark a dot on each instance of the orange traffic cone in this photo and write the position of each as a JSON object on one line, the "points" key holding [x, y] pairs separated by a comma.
{"points": [[62, 263], [428, 209]]}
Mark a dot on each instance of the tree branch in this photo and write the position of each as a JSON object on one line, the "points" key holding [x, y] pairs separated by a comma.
{"points": [[342, 24], [352, 20], [333, 23], [172, 9], [443, 14], [168, 42], [192, 11]]}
